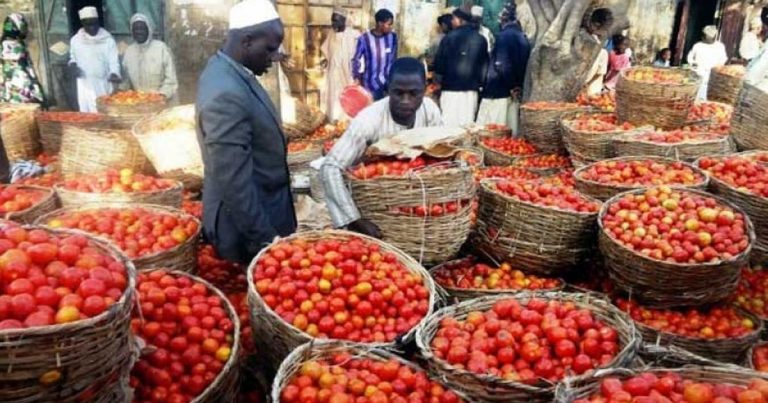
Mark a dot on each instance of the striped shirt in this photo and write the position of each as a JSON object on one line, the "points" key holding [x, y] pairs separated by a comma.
{"points": [[371, 125], [373, 59]]}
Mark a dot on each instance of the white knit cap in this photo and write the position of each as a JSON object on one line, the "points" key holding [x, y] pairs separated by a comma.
{"points": [[251, 12], [477, 11], [88, 12]]}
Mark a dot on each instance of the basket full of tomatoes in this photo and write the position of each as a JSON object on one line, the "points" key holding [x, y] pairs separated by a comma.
{"points": [[504, 151], [151, 236], [322, 368], [540, 124], [422, 206], [672, 247], [51, 125], [680, 144], [65, 303], [126, 108], [25, 203], [335, 285], [587, 135], [659, 97], [119, 186], [514, 348], [544, 227], [190, 337]]}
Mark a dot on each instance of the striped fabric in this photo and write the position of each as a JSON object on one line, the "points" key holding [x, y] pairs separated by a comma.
{"points": [[373, 59]]}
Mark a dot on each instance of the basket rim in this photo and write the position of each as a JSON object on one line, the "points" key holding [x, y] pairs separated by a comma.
{"points": [[485, 185], [568, 119], [635, 338], [565, 107], [730, 187], [119, 206], [138, 130], [126, 298], [49, 194], [685, 72], [235, 351], [630, 138], [415, 173], [177, 185], [46, 116], [103, 99], [411, 264], [442, 266], [577, 174], [750, 231]]}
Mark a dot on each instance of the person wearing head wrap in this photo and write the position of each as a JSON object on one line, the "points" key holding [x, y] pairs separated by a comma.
{"points": [[148, 63], [506, 73], [460, 66], [757, 70], [477, 18], [338, 48], [93, 60], [247, 195], [705, 55], [404, 108], [20, 83], [751, 43]]}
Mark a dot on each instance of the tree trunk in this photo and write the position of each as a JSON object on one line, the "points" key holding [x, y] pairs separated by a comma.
{"points": [[563, 51]]}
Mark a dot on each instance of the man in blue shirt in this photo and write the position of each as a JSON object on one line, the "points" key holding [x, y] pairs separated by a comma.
{"points": [[376, 51]]}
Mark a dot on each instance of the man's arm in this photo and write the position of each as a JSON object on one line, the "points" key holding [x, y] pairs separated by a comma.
{"points": [[228, 143], [758, 68], [114, 61], [170, 82], [346, 152], [359, 54]]}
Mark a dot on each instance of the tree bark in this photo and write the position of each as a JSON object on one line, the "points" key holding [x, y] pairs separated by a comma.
{"points": [[563, 51]]}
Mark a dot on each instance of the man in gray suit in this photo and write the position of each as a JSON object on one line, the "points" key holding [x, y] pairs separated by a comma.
{"points": [[246, 194]]}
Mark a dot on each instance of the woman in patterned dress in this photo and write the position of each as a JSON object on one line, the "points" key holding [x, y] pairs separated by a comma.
{"points": [[19, 81]]}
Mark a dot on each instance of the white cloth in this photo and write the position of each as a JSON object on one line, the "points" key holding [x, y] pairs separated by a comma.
{"points": [[251, 12], [459, 107], [149, 66], [703, 57], [476, 11], [88, 12], [339, 49], [757, 71], [502, 111], [750, 46], [488, 35], [371, 125], [97, 57], [600, 69]]}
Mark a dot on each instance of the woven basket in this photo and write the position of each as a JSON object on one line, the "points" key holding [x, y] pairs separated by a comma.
{"points": [[589, 146], [755, 207], [171, 197], [629, 145], [226, 386], [486, 132], [666, 284], [750, 358], [182, 257], [51, 131], [750, 117], [494, 389], [730, 350], [307, 120], [276, 339], [46, 205], [723, 87], [731, 375], [173, 151], [497, 158], [84, 353], [541, 127], [19, 131], [464, 294], [603, 191], [299, 161], [88, 151], [430, 240], [537, 239], [123, 117], [326, 349], [316, 186], [660, 105]]}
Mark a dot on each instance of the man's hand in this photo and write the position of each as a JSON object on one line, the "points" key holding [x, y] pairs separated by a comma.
{"points": [[74, 71], [115, 79], [365, 227]]}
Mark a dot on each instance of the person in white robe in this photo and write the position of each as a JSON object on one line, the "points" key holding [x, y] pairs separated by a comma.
{"points": [[757, 71], [485, 32], [148, 63], [751, 44], [705, 55], [93, 60], [339, 49]]}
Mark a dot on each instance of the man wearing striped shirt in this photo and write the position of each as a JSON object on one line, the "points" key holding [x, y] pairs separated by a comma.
{"points": [[376, 51]]}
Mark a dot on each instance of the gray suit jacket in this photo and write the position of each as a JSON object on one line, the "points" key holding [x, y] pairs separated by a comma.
{"points": [[247, 197]]}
